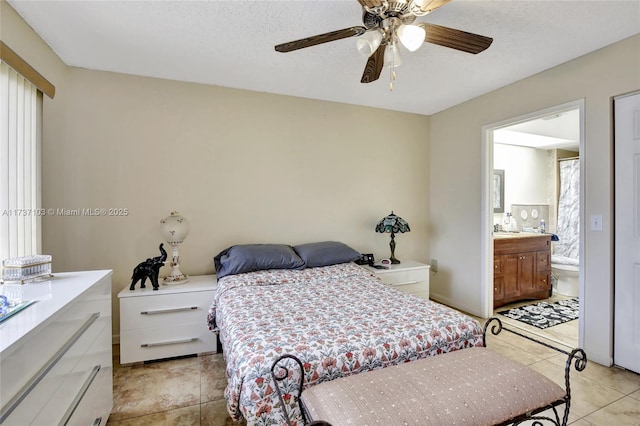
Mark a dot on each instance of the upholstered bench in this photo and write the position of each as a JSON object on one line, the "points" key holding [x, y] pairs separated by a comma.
{"points": [[474, 386]]}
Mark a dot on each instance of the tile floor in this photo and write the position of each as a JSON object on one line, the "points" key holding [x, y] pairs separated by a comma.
{"points": [[185, 391], [189, 391]]}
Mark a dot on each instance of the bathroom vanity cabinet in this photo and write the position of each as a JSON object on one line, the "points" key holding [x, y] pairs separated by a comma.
{"points": [[521, 267]]}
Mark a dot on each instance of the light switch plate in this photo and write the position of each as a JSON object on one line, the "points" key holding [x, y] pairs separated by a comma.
{"points": [[596, 222]]}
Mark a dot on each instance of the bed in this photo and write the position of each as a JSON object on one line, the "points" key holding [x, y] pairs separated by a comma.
{"points": [[339, 319]]}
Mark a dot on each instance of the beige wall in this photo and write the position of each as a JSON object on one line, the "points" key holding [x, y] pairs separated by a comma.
{"points": [[455, 191], [242, 167]]}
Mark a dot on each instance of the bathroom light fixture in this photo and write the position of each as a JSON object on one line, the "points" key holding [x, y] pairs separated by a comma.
{"points": [[392, 224]]}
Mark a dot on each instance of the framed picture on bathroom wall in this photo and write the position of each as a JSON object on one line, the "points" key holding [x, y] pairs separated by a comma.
{"points": [[498, 191]]}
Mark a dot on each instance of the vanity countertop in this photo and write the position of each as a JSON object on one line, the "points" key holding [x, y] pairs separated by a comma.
{"points": [[503, 235]]}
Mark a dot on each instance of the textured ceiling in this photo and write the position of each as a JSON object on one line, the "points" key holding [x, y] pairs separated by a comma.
{"points": [[230, 44]]}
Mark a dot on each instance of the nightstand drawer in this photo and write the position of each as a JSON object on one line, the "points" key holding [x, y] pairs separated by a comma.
{"points": [[166, 342], [409, 276], [404, 277], [420, 289], [165, 309]]}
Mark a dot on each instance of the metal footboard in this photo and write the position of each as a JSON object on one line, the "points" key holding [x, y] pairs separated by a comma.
{"points": [[283, 374], [577, 357]]}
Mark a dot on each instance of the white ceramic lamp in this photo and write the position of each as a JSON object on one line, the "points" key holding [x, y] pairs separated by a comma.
{"points": [[175, 229]]}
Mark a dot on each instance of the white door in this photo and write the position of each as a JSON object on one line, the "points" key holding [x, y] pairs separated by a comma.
{"points": [[627, 232]]}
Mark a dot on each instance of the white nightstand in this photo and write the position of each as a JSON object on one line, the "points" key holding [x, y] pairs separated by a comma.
{"points": [[168, 322], [409, 276]]}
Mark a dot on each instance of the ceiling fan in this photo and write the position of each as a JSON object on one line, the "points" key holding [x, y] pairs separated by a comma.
{"points": [[388, 24]]}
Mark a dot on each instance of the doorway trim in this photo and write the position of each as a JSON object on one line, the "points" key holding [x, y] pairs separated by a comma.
{"points": [[486, 215]]}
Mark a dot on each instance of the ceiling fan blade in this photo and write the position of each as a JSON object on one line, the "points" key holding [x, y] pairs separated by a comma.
{"points": [[455, 39], [431, 5], [374, 65], [320, 38]]}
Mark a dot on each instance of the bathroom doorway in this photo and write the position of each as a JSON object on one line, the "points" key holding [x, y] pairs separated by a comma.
{"points": [[538, 163]]}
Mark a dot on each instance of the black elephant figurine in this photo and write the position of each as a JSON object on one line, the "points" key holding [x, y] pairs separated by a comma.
{"points": [[150, 268]]}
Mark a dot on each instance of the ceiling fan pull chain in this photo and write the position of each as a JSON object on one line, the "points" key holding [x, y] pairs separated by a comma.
{"points": [[392, 73], [392, 78]]}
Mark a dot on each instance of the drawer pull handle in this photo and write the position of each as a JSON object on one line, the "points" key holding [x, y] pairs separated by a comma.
{"points": [[80, 395], [26, 389], [168, 342], [406, 283], [98, 421], [166, 311]]}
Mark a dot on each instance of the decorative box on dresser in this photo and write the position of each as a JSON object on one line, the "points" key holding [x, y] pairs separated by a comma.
{"points": [[521, 267], [168, 322], [409, 276], [55, 359]]}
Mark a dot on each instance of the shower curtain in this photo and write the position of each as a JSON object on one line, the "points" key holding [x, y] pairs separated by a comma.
{"points": [[569, 210]]}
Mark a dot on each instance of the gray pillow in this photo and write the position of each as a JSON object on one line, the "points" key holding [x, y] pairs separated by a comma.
{"points": [[256, 257], [325, 253]]}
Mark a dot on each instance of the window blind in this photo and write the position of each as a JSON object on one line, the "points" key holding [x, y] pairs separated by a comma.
{"points": [[20, 165]]}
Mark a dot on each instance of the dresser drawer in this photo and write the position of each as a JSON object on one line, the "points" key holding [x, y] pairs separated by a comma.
{"points": [[165, 310], [405, 277], [96, 404], [165, 342], [82, 333], [85, 391]]}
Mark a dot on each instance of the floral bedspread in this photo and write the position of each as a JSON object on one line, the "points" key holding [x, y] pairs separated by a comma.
{"points": [[339, 320]]}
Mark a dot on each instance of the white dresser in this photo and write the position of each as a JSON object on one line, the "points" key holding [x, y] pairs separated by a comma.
{"points": [[168, 322], [409, 276], [55, 355]]}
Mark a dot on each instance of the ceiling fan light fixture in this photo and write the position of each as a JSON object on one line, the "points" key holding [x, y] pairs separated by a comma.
{"points": [[369, 42], [411, 36], [392, 57]]}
